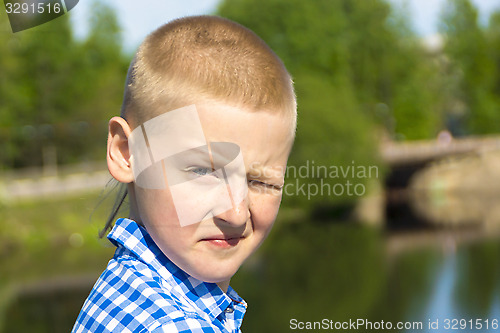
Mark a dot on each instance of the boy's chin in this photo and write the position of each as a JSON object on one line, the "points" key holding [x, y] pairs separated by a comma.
{"points": [[215, 276]]}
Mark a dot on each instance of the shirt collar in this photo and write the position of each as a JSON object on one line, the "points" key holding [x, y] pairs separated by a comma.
{"points": [[207, 297]]}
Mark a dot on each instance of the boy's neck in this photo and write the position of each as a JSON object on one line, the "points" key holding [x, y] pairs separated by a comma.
{"points": [[224, 285], [133, 210]]}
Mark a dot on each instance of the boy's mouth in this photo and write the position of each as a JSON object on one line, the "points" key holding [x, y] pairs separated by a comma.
{"points": [[223, 241]]}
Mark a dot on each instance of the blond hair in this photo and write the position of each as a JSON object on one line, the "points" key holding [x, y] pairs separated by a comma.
{"points": [[205, 57]]}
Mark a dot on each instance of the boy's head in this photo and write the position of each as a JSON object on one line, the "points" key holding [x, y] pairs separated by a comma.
{"points": [[210, 120], [205, 57]]}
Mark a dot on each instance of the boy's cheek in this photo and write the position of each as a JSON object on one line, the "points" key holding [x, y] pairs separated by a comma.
{"points": [[264, 209], [155, 206]]}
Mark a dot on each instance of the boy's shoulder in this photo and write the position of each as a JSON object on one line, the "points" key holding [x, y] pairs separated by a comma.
{"points": [[129, 296], [142, 291]]}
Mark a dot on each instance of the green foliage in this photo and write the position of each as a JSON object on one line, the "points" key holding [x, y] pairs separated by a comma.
{"points": [[359, 68], [359, 71], [493, 37], [409, 90], [333, 132], [40, 240], [416, 104], [59, 92], [349, 60], [31, 232], [364, 44], [474, 62]]}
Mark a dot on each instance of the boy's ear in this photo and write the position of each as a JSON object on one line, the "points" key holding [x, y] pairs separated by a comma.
{"points": [[118, 156]]}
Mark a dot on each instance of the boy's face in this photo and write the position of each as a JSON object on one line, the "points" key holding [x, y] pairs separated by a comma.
{"points": [[212, 250]]}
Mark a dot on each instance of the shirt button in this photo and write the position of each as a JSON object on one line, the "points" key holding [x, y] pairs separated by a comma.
{"points": [[229, 310]]}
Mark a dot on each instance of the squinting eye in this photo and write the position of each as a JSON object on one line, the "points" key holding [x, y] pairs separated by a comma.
{"points": [[259, 183]]}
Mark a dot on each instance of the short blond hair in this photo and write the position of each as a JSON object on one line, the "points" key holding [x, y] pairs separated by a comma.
{"points": [[205, 57]]}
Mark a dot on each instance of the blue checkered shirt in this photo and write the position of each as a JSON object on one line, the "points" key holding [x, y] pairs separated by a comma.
{"points": [[141, 290]]}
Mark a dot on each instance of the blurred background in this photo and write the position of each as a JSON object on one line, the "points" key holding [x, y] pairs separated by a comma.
{"points": [[391, 210]]}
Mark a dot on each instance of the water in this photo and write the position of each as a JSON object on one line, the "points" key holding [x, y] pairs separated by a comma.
{"points": [[446, 312], [340, 272]]}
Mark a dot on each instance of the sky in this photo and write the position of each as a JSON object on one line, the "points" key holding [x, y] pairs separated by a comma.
{"points": [[138, 18], [425, 13]]}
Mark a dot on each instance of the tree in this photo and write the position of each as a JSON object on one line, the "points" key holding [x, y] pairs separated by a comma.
{"points": [[332, 130], [467, 48], [493, 38], [12, 92], [57, 93], [349, 59], [391, 71], [101, 76], [36, 79]]}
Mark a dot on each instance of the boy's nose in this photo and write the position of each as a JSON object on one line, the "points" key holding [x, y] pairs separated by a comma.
{"points": [[238, 215]]}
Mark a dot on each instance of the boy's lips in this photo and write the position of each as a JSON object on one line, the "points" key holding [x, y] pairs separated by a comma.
{"points": [[223, 240]]}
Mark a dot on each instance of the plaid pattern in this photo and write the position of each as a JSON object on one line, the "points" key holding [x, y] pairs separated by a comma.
{"points": [[141, 290]]}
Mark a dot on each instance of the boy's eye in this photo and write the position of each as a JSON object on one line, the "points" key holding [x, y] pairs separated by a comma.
{"points": [[199, 171], [258, 183]]}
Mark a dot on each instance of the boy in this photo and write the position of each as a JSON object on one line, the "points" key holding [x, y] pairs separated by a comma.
{"points": [[206, 127]]}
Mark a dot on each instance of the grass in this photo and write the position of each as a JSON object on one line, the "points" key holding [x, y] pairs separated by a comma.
{"points": [[47, 239], [40, 240]]}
